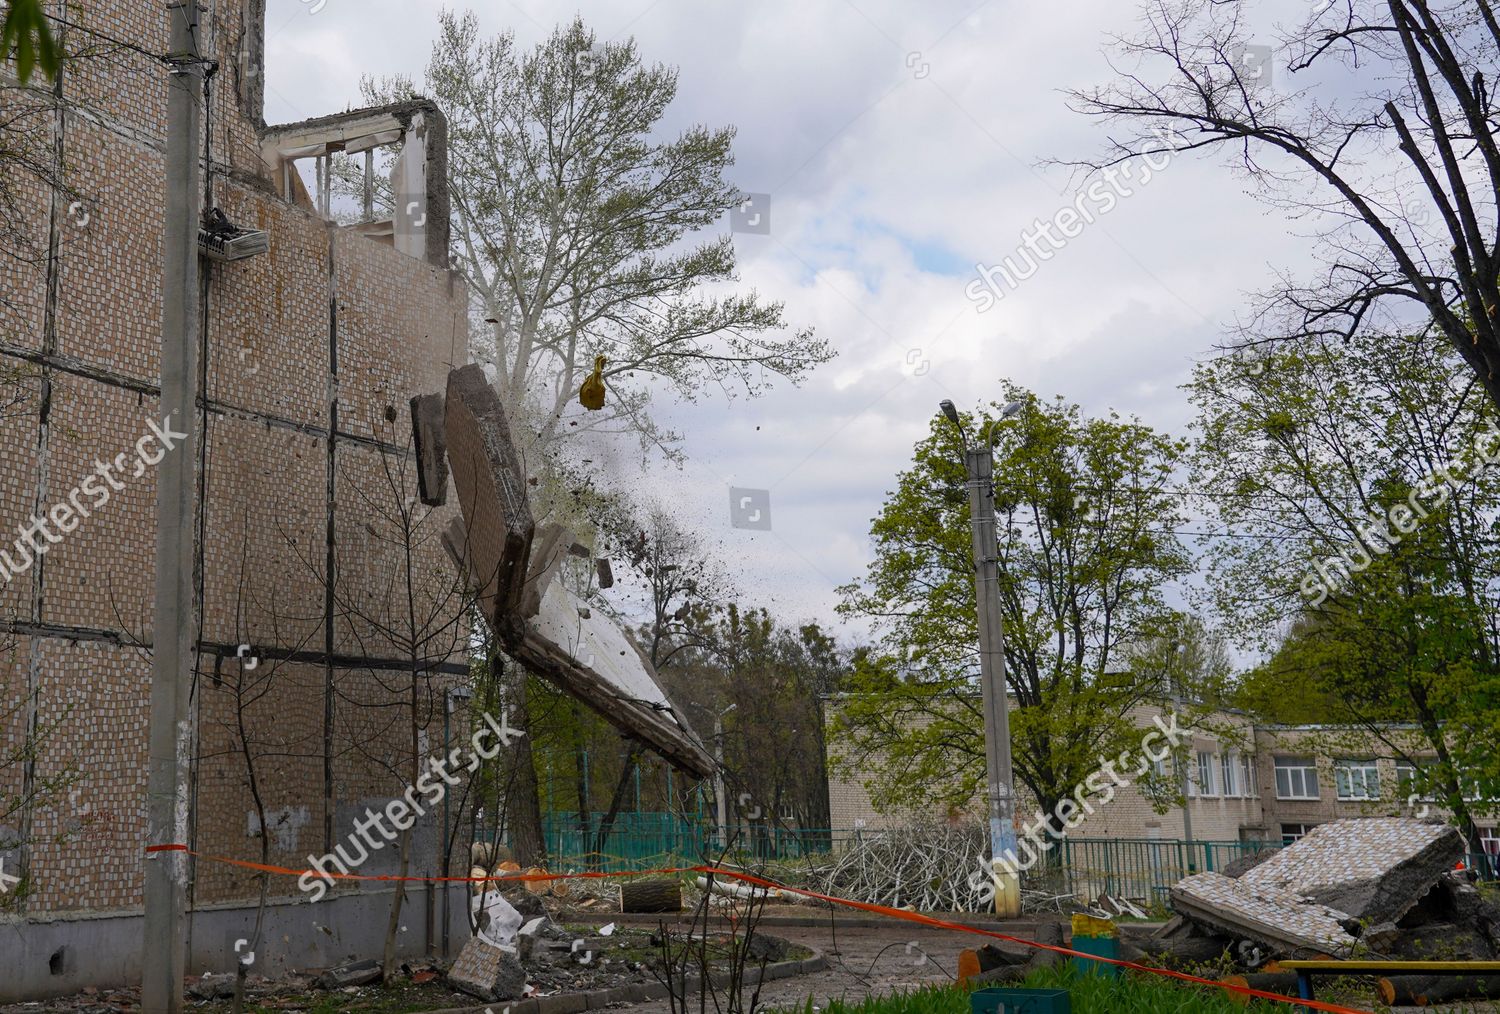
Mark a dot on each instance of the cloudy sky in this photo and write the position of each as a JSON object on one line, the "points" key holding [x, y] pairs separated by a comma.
{"points": [[901, 144]]}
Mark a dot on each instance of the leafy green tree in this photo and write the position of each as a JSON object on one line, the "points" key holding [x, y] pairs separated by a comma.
{"points": [[1355, 477], [574, 220], [1086, 546], [26, 40]]}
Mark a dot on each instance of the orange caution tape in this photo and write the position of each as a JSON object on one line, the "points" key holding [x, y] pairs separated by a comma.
{"points": [[749, 878]]}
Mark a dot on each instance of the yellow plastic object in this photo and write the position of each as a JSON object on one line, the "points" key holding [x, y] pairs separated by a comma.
{"points": [[591, 394], [1091, 926]]}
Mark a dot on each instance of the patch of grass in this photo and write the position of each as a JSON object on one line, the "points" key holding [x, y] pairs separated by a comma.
{"points": [[1090, 994]]}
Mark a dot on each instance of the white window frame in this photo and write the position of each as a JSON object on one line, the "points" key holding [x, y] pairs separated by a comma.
{"points": [[1247, 776], [1406, 778], [1207, 767], [1301, 781], [1356, 780], [1229, 774], [1305, 827]]}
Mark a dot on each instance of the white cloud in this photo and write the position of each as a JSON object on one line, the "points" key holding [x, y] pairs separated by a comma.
{"points": [[890, 178]]}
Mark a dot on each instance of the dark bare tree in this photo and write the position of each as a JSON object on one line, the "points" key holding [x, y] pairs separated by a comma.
{"points": [[1373, 121]]}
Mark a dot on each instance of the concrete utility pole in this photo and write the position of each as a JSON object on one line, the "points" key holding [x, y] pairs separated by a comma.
{"points": [[1174, 679], [171, 739], [980, 464], [720, 803]]}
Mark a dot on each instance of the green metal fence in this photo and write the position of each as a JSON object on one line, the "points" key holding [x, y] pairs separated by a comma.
{"points": [[1138, 869], [641, 840], [1141, 870]]}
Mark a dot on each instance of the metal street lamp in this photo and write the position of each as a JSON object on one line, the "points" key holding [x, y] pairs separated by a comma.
{"points": [[980, 465]]}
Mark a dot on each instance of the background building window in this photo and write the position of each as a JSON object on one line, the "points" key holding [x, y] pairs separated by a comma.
{"points": [[1356, 779], [1296, 778], [1207, 774], [1292, 832], [1247, 778], [1234, 771], [1407, 775]]}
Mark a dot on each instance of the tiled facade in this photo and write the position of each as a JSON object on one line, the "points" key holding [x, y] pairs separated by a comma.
{"points": [[327, 319]]}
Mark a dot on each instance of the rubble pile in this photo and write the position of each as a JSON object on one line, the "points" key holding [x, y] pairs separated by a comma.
{"points": [[1382, 888]]}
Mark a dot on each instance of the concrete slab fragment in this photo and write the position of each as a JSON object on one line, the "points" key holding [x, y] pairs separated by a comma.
{"points": [[591, 657], [427, 412], [1373, 868], [1270, 915]]}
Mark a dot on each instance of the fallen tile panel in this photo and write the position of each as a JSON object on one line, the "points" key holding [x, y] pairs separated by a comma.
{"points": [[1271, 915], [1373, 868]]}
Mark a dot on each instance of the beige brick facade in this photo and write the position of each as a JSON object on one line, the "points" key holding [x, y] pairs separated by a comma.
{"points": [[1253, 813]]}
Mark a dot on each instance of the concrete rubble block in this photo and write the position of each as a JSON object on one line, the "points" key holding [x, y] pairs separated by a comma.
{"points": [[1244, 864], [358, 973], [766, 947], [213, 987], [1371, 869], [487, 972], [427, 412], [1273, 916], [491, 487], [995, 956], [1442, 941]]}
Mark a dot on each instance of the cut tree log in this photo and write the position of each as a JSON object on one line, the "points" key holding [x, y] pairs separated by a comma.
{"points": [[651, 896], [1424, 990], [1284, 983]]}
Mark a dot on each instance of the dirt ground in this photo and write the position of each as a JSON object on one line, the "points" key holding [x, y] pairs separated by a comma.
{"points": [[864, 960]]}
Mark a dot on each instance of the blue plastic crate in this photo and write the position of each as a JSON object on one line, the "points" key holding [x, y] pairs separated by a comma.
{"points": [[1020, 1001]]}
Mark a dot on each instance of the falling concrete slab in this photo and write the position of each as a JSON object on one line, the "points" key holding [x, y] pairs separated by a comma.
{"points": [[514, 570], [1373, 868], [491, 487], [591, 657]]}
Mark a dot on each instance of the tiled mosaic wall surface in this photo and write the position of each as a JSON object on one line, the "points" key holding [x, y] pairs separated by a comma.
{"points": [[77, 614]]}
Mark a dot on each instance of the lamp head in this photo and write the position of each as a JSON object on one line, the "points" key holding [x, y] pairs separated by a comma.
{"points": [[949, 411]]}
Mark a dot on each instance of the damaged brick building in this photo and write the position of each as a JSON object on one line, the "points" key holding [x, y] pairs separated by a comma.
{"points": [[312, 342]]}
